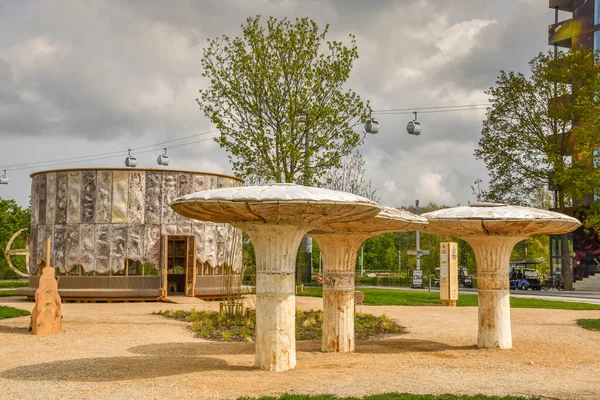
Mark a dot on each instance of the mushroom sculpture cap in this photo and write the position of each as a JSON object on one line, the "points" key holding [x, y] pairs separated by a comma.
{"points": [[498, 219], [277, 203], [388, 220]]}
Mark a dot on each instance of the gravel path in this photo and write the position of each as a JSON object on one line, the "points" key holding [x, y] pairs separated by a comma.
{"points": [[122, 351]]}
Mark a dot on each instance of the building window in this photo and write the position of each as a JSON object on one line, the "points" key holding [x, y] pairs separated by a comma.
{"points": [[596, 12], [596, 41], [176, 255]]}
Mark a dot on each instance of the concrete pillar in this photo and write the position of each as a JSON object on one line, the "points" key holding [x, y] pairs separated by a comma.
{"points": [[339, 258], [492, 253], [275, 247]]}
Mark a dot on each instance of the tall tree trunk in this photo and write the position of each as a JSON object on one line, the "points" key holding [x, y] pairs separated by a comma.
{"points": [[564, 246]]}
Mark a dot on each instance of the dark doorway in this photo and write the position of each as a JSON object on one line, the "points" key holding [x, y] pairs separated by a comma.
{"points": [[180, 260]]}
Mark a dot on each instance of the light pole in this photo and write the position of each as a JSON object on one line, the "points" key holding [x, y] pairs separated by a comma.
{"points": [[418, 238]]}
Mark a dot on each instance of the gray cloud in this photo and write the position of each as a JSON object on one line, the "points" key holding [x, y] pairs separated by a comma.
{"points": [[85, 78]]}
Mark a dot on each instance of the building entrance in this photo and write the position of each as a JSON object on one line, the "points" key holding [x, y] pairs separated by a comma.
{"points": [[180, 261]]}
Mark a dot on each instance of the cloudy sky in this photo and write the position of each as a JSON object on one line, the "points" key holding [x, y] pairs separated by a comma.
{"points": [[87, 78]]}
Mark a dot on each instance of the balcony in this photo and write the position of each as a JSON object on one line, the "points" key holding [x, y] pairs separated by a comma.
{"points": [[562, 5], [562, 33]]}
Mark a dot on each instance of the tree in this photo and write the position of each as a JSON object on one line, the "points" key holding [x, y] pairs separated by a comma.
{"points": [[350, 177], [279, 102], [12, 218], [546, 126], [529, 135]]}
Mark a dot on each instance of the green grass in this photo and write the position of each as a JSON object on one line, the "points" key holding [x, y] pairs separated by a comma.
{"points": [[11, 312], [386, 297], [390, 396], [6, 293], [13, 284], [591, 324], [215, 326]]}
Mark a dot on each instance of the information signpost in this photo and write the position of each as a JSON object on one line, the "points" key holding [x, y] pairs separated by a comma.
{"points": [[449, 273], [417, 274]]}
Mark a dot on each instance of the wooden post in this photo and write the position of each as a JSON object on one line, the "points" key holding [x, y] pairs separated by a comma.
{"points": [[48, 246]]}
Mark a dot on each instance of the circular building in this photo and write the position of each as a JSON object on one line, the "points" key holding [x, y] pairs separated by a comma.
{"points": [[114, 234]]}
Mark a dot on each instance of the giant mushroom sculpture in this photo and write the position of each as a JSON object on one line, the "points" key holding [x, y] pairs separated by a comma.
{"points": [[339, 243], [276, 217], [492, 230]]}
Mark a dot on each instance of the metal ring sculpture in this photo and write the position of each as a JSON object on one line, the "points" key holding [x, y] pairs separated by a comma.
{"points": [[18, 252]]}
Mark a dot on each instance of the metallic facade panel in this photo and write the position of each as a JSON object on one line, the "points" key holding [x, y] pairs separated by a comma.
{"points": [[73, 246], [88, 197], [169, 217], [62, 181], [153, 213], [74, 198], [198, 183], [101, 249], [198, 231], [135, 242], [137, 198], [168, 229], [184, 186], [42, 201], [87, 246], [35, 203], [50, 234], [41, 247], [152, 240], [60, 246], [118, 246], [120, 197], [213, 182], [33, 249], [210, 244], [50, 198], [184, 229], [103, 197]]}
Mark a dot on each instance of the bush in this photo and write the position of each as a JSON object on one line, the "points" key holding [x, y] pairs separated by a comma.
{"points": [[235, 328]]}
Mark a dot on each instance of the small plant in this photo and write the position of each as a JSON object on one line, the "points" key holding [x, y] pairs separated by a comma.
{"points": [[234, 328]]}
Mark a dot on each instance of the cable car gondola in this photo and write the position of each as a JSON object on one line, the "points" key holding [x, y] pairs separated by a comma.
{"points": [[163, 159], [130, 161], [372, 126], [4, 179], [414, 126]]}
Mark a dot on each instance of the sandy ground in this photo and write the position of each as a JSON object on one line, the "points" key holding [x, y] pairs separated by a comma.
{"points": [[122, 351]]}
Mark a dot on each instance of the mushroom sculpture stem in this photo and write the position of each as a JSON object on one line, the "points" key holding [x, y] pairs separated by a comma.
{"points": [[339, 243], [492, 254], [275, 250], [339, 252]]}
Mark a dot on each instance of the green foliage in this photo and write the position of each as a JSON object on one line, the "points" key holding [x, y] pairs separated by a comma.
{"points": [[528, 131], [12, 218], [215, 326], [591, 324], [276, 86], [13, 284], [391, 396], [11, 312], [8, 293]]}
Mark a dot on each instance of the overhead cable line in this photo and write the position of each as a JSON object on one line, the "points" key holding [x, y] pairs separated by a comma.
{"points": [[432, 108], [99, 156], [427, 111]]}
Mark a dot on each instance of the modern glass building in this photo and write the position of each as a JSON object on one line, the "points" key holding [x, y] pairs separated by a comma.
{"points": [[582, 29]]}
